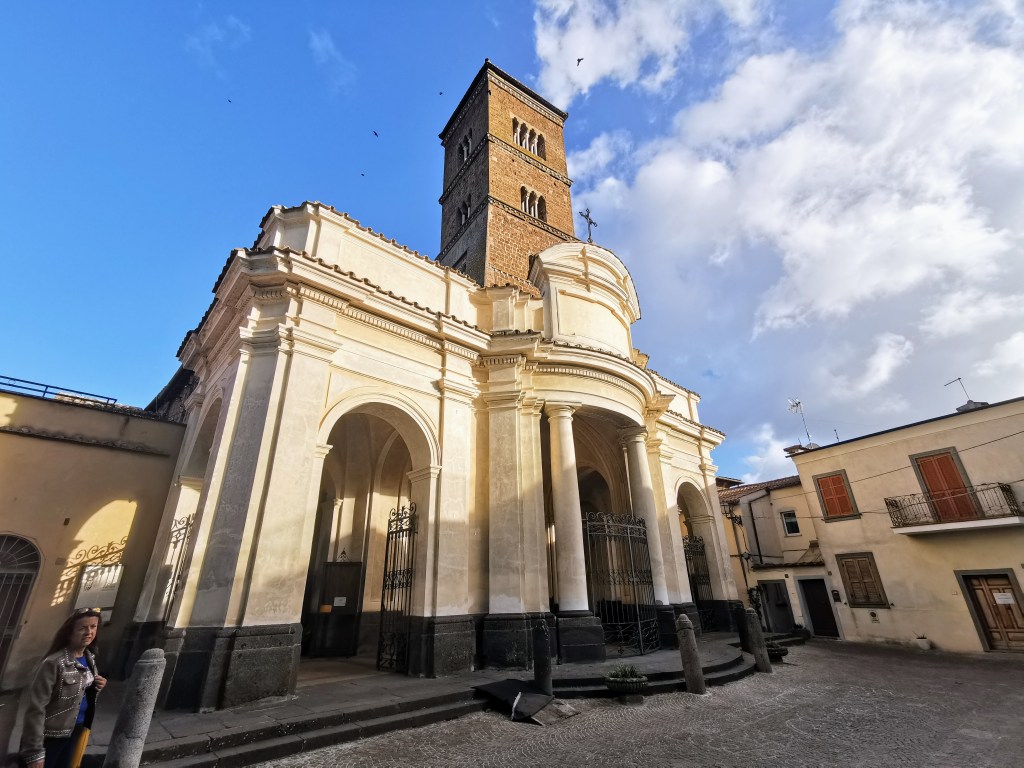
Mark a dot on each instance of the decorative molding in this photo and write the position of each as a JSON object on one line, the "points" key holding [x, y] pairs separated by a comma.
{"points": [[529, 159], [461, 351], [587, 373], [518, 95], [688, 420], [320, 297], [496, 360], [368, 318]]}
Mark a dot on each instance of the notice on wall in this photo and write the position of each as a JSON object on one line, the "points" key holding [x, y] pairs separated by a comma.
{"points": [[340, 601], [1004, 598], [98, 587]]}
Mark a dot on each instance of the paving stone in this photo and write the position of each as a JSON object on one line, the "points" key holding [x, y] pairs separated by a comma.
{"points": [[831, 704]]}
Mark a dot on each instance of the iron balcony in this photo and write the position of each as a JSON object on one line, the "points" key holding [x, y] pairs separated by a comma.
{"points": [[972, 503]]}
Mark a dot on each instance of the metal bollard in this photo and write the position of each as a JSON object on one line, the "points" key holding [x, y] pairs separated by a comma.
{"points": [[132, 725], [693, 673], [757, 642], [542, 658]]}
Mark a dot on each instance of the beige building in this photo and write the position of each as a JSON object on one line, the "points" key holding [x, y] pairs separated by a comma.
{"points": [[919, 533], [414, 459], [83, 483]]}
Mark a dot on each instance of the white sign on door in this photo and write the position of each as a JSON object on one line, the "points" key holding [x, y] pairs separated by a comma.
{"points": [[1004, 598]]}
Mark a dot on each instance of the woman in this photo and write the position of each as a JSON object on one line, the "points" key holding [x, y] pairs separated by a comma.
{"points": [[61, 700]]}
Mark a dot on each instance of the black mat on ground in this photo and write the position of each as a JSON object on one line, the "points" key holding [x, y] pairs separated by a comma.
{"points": [[521, 694]]}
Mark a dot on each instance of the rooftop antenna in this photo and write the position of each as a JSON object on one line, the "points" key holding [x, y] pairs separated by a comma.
{"points": [[837, 433], [795, 406], [961, 386]]}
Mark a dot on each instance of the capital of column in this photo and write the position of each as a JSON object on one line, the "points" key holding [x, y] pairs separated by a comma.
{"points": [[560, 410], [321, 450], [633, 434], [431, 471]]}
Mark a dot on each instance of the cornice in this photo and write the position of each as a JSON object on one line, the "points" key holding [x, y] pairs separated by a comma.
{"points": [[368, 318], [533, 104], [529, 159], [589, 373]]}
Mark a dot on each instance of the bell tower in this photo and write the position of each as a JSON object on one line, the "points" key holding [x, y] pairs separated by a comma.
{"points": [[505, 194]]}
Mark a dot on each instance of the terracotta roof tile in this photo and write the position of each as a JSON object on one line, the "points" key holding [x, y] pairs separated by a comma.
{"points": [[733, 494]]}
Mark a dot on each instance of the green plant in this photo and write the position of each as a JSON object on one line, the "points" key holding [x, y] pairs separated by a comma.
{"points": [[624, 672]]}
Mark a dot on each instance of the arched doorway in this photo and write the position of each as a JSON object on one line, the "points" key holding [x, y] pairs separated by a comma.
{"points": [[19, 564], [359, 597], [698, 570]]}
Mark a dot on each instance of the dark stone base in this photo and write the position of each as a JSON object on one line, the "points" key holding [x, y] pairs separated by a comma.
{"points": [[441, 645], [506, 641], [215, 668], [667, 626], [196, 661], [580, 638], [264, 661], [724, 612]]}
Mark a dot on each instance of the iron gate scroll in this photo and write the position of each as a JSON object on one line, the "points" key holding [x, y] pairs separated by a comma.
{"points": [[396, 593], [700, 581], [621, 584]]}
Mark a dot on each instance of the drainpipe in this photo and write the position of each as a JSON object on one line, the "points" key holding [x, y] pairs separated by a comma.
{"points": [[745, 504]]}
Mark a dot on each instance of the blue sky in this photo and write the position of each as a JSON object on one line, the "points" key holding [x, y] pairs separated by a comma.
{"points": [[816, 200]]}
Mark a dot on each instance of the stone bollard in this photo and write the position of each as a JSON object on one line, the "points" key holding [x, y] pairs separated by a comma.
{"points": [[757, 643], [739, 617], [129, 736], [693, 673], [542, 658]]}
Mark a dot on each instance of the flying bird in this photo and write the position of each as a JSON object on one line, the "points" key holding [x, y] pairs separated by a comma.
{"points": [[229, 101], [376, 134], [440, 93], [579, 60]]}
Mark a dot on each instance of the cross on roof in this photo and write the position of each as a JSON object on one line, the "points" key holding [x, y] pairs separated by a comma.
{"points": [[590, 223]]}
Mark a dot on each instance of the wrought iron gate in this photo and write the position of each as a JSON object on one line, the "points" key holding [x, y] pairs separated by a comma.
{"points": [[396, 593], [177, 548], [621, 585], [700, 581], [19, 564]]}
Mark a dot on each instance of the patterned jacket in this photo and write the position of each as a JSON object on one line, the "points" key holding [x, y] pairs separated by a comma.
{"points": [[52, 702]]}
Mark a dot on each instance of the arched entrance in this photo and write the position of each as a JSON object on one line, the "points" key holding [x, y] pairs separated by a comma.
{"points": [[692, 521], [19, 564], [620, 579], [360, 597]]}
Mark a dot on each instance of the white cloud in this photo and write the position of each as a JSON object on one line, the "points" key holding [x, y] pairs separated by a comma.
{"points": [[207, 43], [1006, 358], [340, 72], [963, 310], [891, 352], [842, 221], [770, 460], [602, 153], [630, 42]]}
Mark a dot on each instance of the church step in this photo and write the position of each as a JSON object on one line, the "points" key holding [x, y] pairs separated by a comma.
{"points": [[594, 688]]}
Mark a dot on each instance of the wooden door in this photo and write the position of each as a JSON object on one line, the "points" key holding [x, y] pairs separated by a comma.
{"points": [[819, 609], [998, 610], [946, 488]]}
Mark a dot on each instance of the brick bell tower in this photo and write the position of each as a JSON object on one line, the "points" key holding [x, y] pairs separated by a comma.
{"points": [[506, 193]]}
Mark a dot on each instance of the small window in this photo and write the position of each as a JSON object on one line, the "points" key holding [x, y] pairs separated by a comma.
{"points": [[835, 496], [861, 579], [542, 209], [789, 523]]}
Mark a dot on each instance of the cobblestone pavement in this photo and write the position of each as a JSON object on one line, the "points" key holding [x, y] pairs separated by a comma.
{"points": [[832, 704]]}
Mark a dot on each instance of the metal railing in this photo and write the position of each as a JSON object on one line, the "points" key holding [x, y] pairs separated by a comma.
{"points": [[53, 393], [978, 502]]}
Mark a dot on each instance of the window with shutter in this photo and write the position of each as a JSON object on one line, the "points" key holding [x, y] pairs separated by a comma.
{"points": [[834, 495], [861, 579]]}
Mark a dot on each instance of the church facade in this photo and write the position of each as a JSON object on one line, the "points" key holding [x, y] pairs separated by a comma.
{"points": [[418, 458]]}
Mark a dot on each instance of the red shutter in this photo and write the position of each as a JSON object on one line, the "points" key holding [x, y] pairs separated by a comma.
{"points": [[834, 496], [945, 487]]}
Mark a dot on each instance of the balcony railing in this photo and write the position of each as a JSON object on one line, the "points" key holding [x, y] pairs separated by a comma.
{"points": [[979, 502]]}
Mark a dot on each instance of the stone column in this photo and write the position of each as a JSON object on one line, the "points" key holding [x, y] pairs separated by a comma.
{"points": [[641, 496], [580, 635], [565, 492]]}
